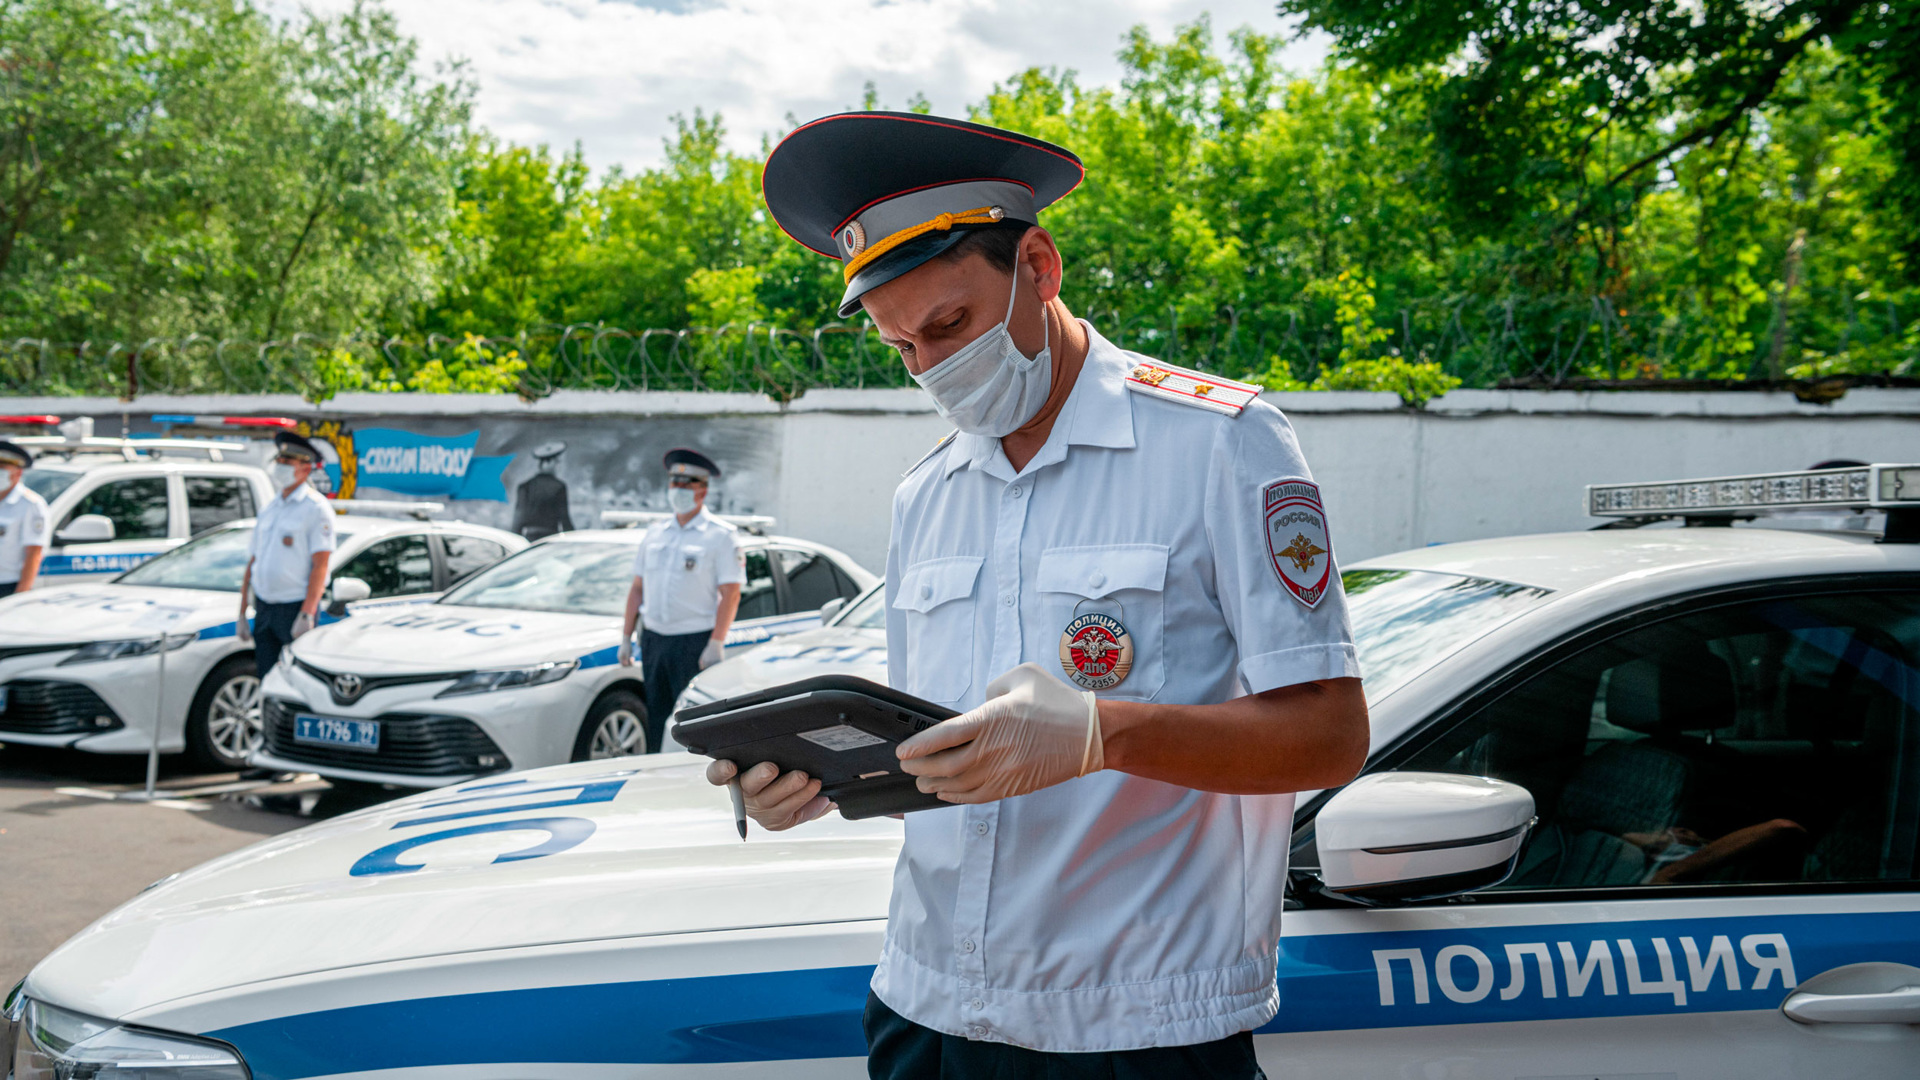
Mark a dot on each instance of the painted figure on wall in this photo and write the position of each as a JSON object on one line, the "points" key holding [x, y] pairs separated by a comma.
{"points": [[540, 502]]}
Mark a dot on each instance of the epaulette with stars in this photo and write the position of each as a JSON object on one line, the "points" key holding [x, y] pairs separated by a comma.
{"points": [[1189, 387], [945, 441]]}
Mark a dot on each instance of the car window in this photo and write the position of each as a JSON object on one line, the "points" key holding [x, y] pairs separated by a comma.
{"points": [[810, 580], [757, 600], [576, 578], [468, 554], [394, 567], [869, 613], [216, 500], [1406, 621], [215, 561], [1776, 741], [49, 483], [137, 507]]}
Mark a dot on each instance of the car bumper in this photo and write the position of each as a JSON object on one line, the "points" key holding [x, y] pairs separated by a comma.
{"points": [[106, 707], [262, 759]]}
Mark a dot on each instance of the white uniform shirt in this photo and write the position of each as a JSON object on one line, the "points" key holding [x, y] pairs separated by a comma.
{"points": [[24, 523], [1110, 912], [681, 569], [289, 532]]}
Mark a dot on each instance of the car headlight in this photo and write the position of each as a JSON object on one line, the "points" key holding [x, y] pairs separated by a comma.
{"points": [[121, 650], [485, 682], [54, 1044], [691, 696]]}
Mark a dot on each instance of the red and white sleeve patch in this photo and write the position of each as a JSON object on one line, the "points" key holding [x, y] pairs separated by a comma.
{"points": [[1297, 539]]}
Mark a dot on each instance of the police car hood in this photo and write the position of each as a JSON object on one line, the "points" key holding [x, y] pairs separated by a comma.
{"points": [[830, 650], [584, 852], [447, 637], [104, 611]]}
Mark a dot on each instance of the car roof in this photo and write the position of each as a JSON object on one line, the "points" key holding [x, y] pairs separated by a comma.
{"points": [[1571, 561]]}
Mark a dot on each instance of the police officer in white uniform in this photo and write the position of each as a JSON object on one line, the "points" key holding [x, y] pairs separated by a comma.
{"points": [[23, 522], [287, 562], [1121, 571], [685, 593]]}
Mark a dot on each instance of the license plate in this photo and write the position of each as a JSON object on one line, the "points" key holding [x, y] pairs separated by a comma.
{"points": [[332, 731]]}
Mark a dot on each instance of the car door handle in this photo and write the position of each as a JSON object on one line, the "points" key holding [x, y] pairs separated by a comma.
{"points": [[1899, 1006]]}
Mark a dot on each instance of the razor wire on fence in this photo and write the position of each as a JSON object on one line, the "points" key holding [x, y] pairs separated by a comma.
{"points": [[1482, 342]]}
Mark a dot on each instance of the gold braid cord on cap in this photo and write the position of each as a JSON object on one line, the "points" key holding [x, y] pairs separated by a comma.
{"points": [[981, 215]]}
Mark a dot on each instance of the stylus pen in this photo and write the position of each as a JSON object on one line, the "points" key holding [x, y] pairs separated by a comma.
{"points": [[739, 805]]}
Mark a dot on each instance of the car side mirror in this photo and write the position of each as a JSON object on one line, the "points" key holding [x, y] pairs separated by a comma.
{"points": [[1403, 837], [831, 608], [346, 590], [87, 529]]}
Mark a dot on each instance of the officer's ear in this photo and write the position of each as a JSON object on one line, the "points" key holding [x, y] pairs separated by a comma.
{"points": [[1041, 256]]}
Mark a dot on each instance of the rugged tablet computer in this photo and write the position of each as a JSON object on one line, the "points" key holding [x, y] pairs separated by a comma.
{"points": [[840, 729]]}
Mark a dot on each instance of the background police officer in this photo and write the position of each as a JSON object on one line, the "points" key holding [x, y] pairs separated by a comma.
{"points": [[1121, 571], [287, 561], [688, 574], [23, 522]]}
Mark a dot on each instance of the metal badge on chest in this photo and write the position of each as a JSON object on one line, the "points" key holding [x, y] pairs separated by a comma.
{"points": [[1096, 651]]}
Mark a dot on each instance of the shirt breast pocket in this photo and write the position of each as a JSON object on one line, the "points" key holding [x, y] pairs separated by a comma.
{"points": [[936, 600], [1115, 583], [690, 557]]}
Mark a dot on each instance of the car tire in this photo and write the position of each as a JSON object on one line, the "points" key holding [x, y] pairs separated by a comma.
{"points": [[223, 724], [616, 726]]}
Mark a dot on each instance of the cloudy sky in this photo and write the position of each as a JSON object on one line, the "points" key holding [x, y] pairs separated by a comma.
{"points": [[611, 73]]}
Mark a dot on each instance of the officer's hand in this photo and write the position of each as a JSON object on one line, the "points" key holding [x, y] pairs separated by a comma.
{"points": [[775, 800], [711, 655], [302, 623], [626, 653], [1033, 732], [243, 630]]}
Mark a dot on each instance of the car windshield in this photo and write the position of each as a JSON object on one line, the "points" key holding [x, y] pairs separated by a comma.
{"points": [[49, 483], [570, 577], [1406, 621], [215, 561], [868, 613]]}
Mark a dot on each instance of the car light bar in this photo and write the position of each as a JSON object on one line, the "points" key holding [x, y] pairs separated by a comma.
{"points": [[47, 421], [225, 421], [753, 523], [1863, 487], [129, 448], [420, 510]]}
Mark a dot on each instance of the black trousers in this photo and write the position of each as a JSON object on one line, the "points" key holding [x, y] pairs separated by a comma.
{"points": [[899, 1049], [7, 588], [272, 631], [668, 662]]}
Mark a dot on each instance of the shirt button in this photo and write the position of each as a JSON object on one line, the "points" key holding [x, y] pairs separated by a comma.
{"points": [[967, 947], [977, 1031], [977, 1003], [926, 592], [1016, 491], [1098, 579], [980, 828], [1009, 600]]}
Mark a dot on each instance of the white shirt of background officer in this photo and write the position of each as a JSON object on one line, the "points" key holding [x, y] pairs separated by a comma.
{"points": [[687, 496], [23, 521], [289, 473]]}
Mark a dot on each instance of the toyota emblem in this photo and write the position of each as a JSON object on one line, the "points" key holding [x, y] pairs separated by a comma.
{"points": [[348, 687]]}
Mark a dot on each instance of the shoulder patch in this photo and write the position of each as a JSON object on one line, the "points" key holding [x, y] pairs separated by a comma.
{"points": [[1297, 537], [945, 441], [1189, 387]]}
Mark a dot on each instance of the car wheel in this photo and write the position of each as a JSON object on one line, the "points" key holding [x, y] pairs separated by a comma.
{"points": [[616, 726], [223, 725]]}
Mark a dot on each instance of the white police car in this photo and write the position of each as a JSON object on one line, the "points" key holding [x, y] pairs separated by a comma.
{"points": [[79, 663], [1717, 729], [516, 668], [116, 503]]}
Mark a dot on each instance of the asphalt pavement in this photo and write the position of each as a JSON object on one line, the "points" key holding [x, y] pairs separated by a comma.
{"points": [[71, 849]]}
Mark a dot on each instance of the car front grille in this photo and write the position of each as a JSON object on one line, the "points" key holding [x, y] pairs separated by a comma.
{"points": [[47, 707], [411, 744]]}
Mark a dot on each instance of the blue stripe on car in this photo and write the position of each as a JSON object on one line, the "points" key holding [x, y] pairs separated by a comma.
{"points": [[1327, 982]]}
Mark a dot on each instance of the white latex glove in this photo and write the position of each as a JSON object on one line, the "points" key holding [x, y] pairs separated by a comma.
{"points": [[626, 653], [1033, 732], [711, 655], [243, 630], [302, 623], [774, 800]]}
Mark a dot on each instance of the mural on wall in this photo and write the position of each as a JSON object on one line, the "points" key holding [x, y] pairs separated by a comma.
{"points": [[540, 502]]}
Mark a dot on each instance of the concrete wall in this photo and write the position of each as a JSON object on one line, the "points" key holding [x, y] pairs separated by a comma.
{"points": [[1474, 463]]}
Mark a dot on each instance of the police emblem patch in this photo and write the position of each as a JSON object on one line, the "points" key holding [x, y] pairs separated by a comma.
{"points": [[1297, 538], [853, 238], [286, 541], [1096, 651], [689, 562]]}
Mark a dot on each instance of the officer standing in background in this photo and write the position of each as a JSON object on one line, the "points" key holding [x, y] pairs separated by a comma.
{"points": [[23, 522], [287, 560], [688, 574], [1121, 572]]}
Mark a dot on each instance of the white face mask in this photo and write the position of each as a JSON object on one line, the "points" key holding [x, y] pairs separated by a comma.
{"points": [[283, 475], [681, 499], [6, 481], [990, 387]]}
